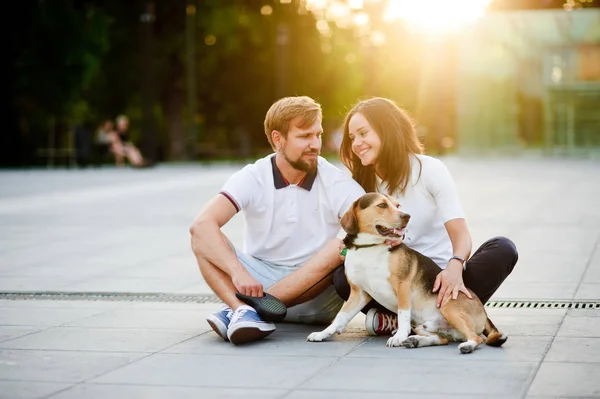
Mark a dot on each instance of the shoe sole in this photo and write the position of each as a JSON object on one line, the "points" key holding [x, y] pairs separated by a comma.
{"points": [[268, 307], [371, 330], [245, 334], [368, 322], [216, 328]]}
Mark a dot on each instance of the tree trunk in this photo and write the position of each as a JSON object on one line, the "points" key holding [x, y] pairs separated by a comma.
{"points": [[175, 126]]}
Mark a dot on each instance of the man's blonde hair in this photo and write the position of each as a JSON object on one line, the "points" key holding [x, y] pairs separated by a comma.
{"points": [[286, 110]]}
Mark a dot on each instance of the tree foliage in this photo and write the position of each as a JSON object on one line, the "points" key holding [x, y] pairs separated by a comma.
{"points": [[80, 62]]}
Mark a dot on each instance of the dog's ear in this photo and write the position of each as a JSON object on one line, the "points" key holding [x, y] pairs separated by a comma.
{"points": [[349, 222]]}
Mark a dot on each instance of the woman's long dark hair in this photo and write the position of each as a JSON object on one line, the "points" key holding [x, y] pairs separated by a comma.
{"points": [[399, 141]]}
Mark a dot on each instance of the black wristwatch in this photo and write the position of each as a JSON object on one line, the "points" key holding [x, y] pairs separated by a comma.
{"points": [[462, 260]]}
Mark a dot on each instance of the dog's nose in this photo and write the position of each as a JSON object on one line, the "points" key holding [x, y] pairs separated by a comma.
{"points": [[405, 217]]}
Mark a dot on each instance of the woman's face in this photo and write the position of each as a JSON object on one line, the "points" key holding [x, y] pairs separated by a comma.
{"points": [[366, 143]]}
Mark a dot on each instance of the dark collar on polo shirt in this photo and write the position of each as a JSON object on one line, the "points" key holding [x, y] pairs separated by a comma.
{"points": [[281, 182]]}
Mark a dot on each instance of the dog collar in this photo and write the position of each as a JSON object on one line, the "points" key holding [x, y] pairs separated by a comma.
{"points": [[359, 246]]}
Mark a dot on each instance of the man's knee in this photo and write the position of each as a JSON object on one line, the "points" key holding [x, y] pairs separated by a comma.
{"points": [[319, 310]]}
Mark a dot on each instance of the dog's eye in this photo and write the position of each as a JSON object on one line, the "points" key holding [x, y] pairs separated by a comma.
{"points": [[383, 205]]}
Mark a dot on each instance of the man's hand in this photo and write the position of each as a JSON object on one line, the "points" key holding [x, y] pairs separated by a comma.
{"points": [[247, 285], [342, 250], [450, 282]]}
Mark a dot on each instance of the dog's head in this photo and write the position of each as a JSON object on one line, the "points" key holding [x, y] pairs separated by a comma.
{"points": [[377, 215]]}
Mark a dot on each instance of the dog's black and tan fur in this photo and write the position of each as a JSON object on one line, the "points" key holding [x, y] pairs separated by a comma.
{"points": [[404, 284]]}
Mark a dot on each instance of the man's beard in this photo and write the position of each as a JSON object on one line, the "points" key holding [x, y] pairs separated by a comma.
{"points": [[302, 165]]}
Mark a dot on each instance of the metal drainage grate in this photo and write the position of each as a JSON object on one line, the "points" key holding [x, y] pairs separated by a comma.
{"points": [[110, 296], [210, 298], [544, 304]]}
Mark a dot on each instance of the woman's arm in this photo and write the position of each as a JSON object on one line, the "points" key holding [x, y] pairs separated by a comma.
{"points": [[449, 281], [459, 234]]}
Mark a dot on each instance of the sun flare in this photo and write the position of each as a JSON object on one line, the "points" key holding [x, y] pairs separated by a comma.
{"points": [[435, 16]]}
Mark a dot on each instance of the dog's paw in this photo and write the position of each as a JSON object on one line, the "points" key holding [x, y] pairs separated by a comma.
{"points": [[318, 336], [467, 347], [396, 341], [411, 342]]}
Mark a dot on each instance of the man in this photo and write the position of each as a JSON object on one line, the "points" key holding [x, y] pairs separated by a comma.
{"points": [[292, 202]]}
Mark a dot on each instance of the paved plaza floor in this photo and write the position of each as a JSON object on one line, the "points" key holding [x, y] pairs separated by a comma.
{"points": [[119, 240]]}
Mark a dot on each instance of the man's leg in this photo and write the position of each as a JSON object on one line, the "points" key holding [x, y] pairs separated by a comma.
{"points": [[308, 292], [489, 266], [320, 310], [310, 280], [237, 322], [219, 281]]}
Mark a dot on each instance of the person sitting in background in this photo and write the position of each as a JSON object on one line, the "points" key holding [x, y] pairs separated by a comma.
{"points": [[106, 137], [123, 147]]}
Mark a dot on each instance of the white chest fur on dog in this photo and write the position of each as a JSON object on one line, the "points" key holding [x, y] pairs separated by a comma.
{"points": [[368, 268]]}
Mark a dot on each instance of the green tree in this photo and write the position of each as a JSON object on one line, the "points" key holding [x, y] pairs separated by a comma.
{"points": [[54, 56]]}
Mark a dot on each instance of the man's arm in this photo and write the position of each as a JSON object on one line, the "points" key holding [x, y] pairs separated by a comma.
{"points": [[209, 244], [316, 273]]}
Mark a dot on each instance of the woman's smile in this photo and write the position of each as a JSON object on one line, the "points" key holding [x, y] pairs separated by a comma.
{"points": [[362, 151]]}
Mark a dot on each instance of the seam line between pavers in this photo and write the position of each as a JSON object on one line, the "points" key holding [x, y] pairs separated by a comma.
{"points": [[537, 369], [588, 263], [148, 354], [561, 322], [75, 350], [98, 375], [330, 364], [49, 328], [160, 352]]}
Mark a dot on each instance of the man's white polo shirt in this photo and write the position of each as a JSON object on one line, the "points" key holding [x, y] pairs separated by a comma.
{"points": [[286, 224]]}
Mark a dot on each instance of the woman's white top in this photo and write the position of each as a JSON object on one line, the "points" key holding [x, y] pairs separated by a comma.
{"points": [[431, 199]]}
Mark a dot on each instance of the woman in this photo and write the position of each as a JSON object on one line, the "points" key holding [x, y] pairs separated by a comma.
{"points": [[381, 149]]}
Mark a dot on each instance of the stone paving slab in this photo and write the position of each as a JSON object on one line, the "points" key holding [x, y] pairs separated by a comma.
{"points": [[426, 376], [547, 206], [60, 366], [102, 391], [184, 357], [124, 230], [567, 380]]}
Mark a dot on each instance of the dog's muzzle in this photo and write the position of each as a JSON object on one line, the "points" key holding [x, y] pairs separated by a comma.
{"points": [[391, 232]]}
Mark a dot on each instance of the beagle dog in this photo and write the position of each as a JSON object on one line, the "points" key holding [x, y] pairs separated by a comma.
{"points": [[401, 280]]}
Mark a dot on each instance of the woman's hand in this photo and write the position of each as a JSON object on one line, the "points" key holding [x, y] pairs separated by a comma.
{"points": [[449, 282]]}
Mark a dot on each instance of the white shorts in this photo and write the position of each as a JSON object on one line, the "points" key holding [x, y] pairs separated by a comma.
{"points": [[319, 310]]}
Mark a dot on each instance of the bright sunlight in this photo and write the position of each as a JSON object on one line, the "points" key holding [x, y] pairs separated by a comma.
{"points": [[435, 16]]}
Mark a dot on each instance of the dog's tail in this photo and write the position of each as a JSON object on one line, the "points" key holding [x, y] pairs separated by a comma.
{"points": [[494, 337]]}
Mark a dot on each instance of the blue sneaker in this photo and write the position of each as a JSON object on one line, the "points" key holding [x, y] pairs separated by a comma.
{"points": [[247, 326], [220, 321]]}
